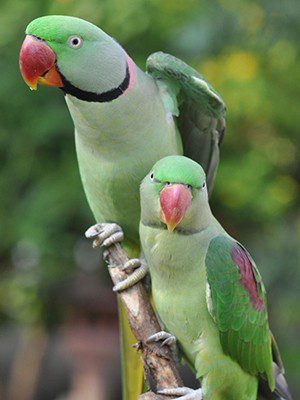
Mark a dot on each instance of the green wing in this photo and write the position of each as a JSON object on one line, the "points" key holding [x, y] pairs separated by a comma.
{"points": [[199, 108], [239, 307]]}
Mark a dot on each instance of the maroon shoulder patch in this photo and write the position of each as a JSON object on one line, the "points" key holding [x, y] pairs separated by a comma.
{"points": [[243, 263]]}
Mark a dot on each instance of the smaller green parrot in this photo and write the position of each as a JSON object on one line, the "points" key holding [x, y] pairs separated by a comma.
{"points": [[207, 289]]}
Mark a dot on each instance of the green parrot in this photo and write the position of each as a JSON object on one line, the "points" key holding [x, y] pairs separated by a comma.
{"points": [[125, 120], [207, 289]]}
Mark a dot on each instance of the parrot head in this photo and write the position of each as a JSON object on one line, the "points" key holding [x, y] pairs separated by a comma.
{"points": [[76, 56], [174, 192]]}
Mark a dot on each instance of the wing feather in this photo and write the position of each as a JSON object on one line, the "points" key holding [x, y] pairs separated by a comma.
{"points": [[200, 109], [239, 306]]}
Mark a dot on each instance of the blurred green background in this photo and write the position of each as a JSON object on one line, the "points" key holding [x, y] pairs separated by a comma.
{"points": [[51, 284]]}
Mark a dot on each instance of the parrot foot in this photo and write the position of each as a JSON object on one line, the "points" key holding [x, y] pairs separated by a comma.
{"points": [[168, 339], [135, 277], [108, 234], [183, 393], [105, 234]]}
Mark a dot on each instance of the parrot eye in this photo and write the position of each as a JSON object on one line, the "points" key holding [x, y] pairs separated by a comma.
{"points": [[153, 179], [203, 186], [75, 42]]}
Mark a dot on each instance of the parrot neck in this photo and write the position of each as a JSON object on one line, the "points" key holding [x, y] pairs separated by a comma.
{"points": [[105, 96], [120, 123]]}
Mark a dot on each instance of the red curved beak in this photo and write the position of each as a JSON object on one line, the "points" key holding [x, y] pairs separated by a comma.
{"points": [[174, 201], [37, 64]]}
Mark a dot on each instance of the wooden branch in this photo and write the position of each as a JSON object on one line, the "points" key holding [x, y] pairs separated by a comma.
{"points": [[158, 362]]}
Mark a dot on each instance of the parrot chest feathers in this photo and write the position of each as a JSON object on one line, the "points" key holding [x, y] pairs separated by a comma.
{"points": [[129, 128], [176, 279], [126, 124]]}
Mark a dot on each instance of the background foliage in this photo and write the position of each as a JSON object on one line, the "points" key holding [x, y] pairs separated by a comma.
{"points": [[249, 51]]}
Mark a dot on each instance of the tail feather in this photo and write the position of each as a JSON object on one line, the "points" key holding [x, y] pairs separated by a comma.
{"points": [[281, 391], [281, 386]]}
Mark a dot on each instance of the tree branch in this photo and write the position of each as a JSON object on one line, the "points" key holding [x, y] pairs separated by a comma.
{"points": [[158, 362]]}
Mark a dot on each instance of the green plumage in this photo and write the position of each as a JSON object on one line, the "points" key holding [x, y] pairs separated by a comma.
{"points": [[190, 83], [193, 175], [244, 330], [198, 106]]}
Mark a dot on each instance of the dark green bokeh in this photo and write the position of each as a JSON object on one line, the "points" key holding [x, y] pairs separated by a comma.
{"points": [[249, 51]]}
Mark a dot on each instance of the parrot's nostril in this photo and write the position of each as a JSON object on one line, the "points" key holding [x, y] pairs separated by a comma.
{"points": [[44, 73]]}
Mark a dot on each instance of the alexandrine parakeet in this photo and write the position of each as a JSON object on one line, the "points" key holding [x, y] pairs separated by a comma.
{"points": [[125, 120], [206, 288]]}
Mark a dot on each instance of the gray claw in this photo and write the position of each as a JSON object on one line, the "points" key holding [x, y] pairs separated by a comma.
{"points": [[105, 234], [133, 263], [132, 279], [93, 231], [168, 339], [116, 237], [183, 393]]}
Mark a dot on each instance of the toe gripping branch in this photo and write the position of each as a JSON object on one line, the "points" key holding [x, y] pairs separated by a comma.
{"points": [[160, 367], [108, 234]]}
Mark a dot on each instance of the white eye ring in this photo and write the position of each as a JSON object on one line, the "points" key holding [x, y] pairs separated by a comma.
{"points": [[75, 42], [203, 186], [152, 177]]}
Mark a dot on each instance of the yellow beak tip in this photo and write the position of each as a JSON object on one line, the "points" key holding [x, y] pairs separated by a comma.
{"points": [[171, 227], [32, 85]]}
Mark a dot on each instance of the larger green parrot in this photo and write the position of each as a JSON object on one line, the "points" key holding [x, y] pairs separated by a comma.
{"points": [[207, 289], [125, 120]]}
